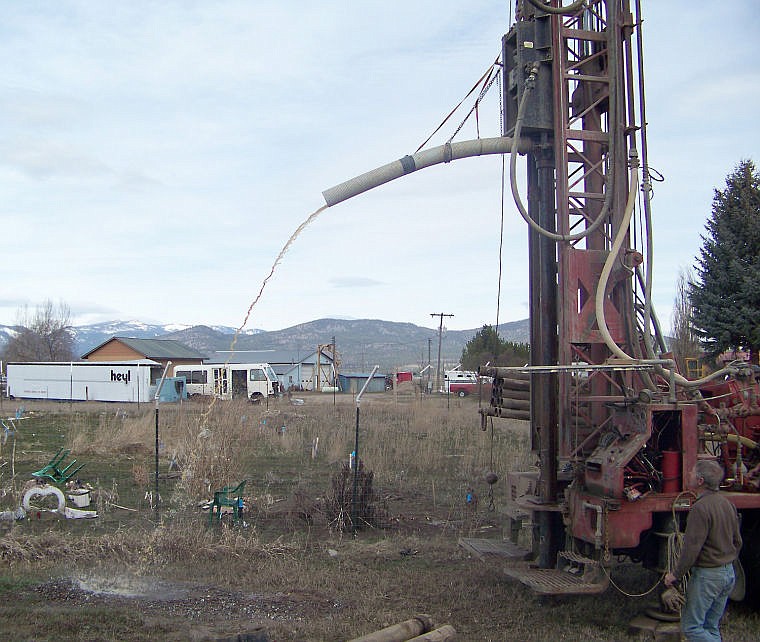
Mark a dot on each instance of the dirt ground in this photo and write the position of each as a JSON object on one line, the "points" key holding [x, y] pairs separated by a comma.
{"points": [[287, 572], [328, 589]]}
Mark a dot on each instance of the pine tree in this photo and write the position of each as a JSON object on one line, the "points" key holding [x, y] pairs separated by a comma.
{"points": [[487, 347], [726, 294]]}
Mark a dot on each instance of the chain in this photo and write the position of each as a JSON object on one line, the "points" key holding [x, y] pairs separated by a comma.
{"points": [[606, 527], [501, 107], [475, 106]]}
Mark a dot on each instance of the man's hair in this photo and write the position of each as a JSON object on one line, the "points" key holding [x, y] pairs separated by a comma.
{"points": [[711, 471]]}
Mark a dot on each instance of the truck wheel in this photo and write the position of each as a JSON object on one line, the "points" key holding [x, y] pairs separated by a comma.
{"points": [[256, 397], [750, 556], [461, 393]]}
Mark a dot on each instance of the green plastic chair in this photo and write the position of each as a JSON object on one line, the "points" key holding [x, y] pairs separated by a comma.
{"points": [[52, 471], [230, 497]]}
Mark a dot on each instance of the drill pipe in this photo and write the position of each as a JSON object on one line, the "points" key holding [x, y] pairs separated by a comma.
{"points": [[401, 631]]}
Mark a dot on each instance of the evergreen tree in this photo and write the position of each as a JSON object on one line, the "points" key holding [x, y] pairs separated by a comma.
{"points": [[726, 294], [685, 343], [487, 347]]}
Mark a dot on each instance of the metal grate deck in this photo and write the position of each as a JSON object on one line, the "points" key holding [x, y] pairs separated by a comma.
{"points": [[555, 582]]}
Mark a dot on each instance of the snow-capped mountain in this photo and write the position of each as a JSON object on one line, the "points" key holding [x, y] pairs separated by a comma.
{"points": [[87, 337], [90, 336], [6, 333]]}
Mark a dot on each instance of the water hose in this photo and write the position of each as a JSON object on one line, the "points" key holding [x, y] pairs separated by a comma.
{"points": [[571, 8], [426, 158], [530, 83]]}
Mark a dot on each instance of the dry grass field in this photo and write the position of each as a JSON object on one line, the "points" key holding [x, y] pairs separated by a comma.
{"points": [[292, 568]]}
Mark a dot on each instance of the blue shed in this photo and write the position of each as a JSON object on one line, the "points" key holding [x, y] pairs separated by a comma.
{"points": [[174, 389], [353, 382]]}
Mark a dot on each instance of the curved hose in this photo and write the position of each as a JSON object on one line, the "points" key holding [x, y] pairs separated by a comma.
{"points": [[601, 289], [433, 156], [571, 8], [530, 83], [737, 439]]}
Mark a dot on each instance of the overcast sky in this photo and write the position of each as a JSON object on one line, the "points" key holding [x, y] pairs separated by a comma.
{"points": [[155, 157]]}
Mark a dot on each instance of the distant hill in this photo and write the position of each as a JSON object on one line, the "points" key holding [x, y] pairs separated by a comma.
{"points": [[361, 343]]}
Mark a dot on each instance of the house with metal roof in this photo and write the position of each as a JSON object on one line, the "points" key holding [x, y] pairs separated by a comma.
{"points": [[295, 370], [159, 350]]}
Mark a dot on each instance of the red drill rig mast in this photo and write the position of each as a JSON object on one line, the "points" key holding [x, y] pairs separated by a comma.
{"points": [[616, 429]]}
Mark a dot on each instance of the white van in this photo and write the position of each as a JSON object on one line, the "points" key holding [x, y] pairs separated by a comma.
{"points": [[255, 381]]}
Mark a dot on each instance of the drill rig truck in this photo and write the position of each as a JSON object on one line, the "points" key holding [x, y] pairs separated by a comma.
{"points": [[616, 446], [617, 430]]}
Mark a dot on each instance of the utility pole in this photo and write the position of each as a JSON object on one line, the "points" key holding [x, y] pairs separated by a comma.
{"points": [[428, 387], [440, 334], [335, 368]]}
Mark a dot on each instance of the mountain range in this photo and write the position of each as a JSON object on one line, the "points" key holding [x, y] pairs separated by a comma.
{"points": [[361, 343]]}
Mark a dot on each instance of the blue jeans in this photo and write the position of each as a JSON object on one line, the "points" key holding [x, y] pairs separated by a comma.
{"points": [[706, 597]]}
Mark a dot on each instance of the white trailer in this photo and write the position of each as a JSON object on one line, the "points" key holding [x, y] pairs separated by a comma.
{"points": [[255, 381], [84, 381], [460, 382]]}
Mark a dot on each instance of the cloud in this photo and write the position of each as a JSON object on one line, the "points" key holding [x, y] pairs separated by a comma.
{"points": [[354, 282], [43, 160]]}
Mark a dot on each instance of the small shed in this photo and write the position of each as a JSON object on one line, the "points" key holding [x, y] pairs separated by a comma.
{"points": [[353, 382]]}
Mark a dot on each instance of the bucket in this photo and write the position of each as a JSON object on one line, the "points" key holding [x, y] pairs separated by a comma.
{"points": [[671, 471], [80, 498]]}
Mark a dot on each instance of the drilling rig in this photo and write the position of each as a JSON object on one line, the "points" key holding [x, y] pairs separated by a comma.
{"points": [[616, 429]]}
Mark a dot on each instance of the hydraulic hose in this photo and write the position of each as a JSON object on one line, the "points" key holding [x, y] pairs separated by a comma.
{"points": [[646, 185], [653, 319], [530, 83], [426, 158], [571, 8], [736, 439], [601, 289]]}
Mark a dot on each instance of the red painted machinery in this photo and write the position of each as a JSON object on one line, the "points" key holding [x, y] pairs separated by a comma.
{"points": [[616, 429]]}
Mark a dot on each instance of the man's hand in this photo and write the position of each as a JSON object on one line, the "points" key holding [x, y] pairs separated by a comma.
{"points": [[672, 600], [669, 579]]}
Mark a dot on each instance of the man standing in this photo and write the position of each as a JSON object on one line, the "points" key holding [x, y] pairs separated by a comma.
{"points": [[711, 544]]}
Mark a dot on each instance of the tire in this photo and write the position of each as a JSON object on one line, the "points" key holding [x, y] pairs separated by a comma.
{"points": [[461, 393], [750, 556], [256, 397]]}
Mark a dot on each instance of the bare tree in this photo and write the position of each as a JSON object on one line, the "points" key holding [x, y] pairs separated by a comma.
{"points": [[685, 339], [45, 335]]}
